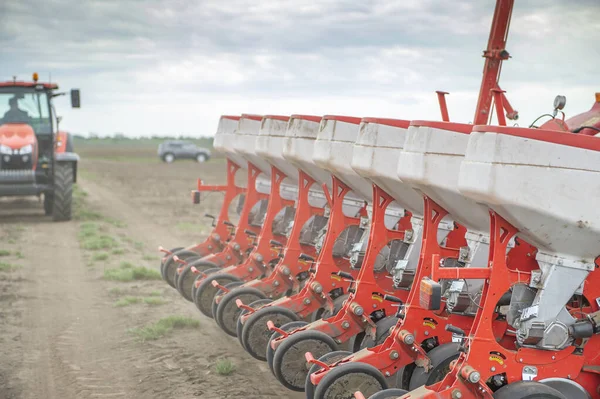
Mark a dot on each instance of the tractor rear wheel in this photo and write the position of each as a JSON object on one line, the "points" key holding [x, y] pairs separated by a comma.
{"points": [[63, 192]]}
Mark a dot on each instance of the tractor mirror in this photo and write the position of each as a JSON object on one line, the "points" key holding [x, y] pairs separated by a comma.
{"points": [[75, 100]]}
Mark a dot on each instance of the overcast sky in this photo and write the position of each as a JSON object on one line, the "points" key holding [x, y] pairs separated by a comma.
{"points": [[173, 66]]}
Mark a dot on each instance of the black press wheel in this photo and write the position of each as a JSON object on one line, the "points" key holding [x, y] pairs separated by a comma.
{"points": [[440, 357], [328, 358], [227, 312], [169, 267], [221, 293], [292, 325], [164, 260], [527, 390], [238, 324], [203, 299], [289, 364], [343, 381], [256, 334], [200, 277], [181, 267], [391, 393], [185, 280]]}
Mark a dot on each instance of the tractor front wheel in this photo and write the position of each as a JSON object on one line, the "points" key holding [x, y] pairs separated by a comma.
{"points": [[63, 192]]}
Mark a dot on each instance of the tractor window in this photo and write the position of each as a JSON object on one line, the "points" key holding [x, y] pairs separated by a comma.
{"points": [[25, 105]]}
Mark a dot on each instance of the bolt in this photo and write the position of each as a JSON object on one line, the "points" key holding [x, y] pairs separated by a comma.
{"points": [[345, 324], [426, 333], [251, 269], [394, 355], [210, 247], [493, 369], [409, 339], [521, 360], [569, 376], [474, 377], [387, 374], [286, 271], [307, 301], [374, 306], [236, 247], [228, 257], [358, 310], [553, 357], [259, 258], [276, 283], [456, 394]]}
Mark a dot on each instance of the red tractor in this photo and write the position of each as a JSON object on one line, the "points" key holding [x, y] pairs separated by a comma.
{"points": [[35, 157]]}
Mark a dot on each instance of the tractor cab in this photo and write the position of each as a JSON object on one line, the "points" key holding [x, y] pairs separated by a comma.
{"points": [[35, 157]]}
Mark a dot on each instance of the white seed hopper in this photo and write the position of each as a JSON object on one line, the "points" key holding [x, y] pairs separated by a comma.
{"points": [[430, 162], [225, 138], [333, 152], [546, 184], [245, 142], [269, 145], [375, 157], [298, 146]]}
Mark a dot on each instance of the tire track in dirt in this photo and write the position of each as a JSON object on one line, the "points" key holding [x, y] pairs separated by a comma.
{"points": [[66, 331]]}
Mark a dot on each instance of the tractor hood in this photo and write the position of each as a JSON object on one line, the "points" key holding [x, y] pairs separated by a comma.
{"points": [[17, 135]]}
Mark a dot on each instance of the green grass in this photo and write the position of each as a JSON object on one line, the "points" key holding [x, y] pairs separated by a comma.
{"points": [[97, 243], [139, 245], [163, 327], [154, 301], [224, 367], [128, 300], [19, 255], [88, 229], [118, 251], [4, 252], [100, 256], [155, 293], [8, 267], [150, 258], [115, 222], [129, 272]]}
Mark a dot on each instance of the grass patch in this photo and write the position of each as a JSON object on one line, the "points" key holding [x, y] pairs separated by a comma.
{"points": [[128, 300], [224, 367], [150, 258], [100, 256], [164, 327], [97, 243], [129, 272], [88, 229], [155, 293], [139, 245], [118, 251], [4, 252], [154, 301], [19, 255], [116, 223], [8, 267]]}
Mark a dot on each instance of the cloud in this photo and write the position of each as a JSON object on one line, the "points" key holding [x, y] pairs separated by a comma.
{"points": [[171, 67]]}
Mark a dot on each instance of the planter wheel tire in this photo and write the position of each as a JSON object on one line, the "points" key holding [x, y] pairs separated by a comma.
{"points": [[227, 313], [239, 326], [48, 201], [383, 329], [221, 293], [63, 192], [182, 267], [203, 299], [528, 390], [164, 259], [292, 325], [169, 158], [199, 278], [328, 358], [343, 381], [255, 334], [289, 365], [440, 357], [200, 158], [169, 267], [391, 393], [185, 280]]}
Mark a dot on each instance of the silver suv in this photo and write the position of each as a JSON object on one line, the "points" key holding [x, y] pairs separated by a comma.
{"points": [[169, 151]]}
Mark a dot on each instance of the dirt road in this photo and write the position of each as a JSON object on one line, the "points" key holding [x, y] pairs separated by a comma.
{"points": [[68, 332]]}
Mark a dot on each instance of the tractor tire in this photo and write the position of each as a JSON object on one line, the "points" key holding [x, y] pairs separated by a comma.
{"points": [[63, 192]]}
